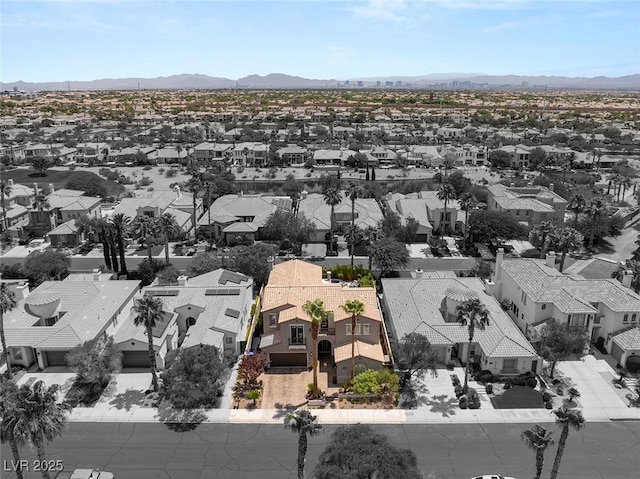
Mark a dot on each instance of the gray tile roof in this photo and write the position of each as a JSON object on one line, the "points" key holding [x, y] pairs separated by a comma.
{"points": [[570, 294], [414, 305]]}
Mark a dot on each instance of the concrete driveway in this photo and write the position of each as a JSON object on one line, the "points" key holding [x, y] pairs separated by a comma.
{"points": [[125, 390], [63, 376], [285, 387]]}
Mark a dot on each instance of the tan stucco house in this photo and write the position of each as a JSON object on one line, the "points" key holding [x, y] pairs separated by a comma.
{"points": [[287, 327]]}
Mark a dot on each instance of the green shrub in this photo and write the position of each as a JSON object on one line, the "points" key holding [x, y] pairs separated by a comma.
{"points": [[546, 397], [366, 382], [473, 399], [489, 388], [548, 405]]}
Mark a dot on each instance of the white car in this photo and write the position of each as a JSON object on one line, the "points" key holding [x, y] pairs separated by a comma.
{"points": [[91, 474], [492, 476]]}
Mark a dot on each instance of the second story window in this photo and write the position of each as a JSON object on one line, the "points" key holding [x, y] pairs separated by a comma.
{"points": [[625, 319], [273, 321]]}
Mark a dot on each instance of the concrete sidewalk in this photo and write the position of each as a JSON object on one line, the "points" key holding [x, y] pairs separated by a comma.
{"points": [[599, 401]]}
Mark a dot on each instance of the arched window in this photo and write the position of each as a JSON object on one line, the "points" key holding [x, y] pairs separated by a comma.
{"points": [[360, 368]]}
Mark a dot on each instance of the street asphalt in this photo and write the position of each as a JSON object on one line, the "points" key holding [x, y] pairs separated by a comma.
{"points": [[235, 451]]}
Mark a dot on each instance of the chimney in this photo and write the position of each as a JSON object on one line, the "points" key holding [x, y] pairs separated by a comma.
{"points": [[10, 182], [627, 277], [51, 188], [512, 185], [20, 290], [499, 260], [303, 194], [329, 276], [182, 280], [178, 192], [96, 274], [270, 261], [551, 259], [35, 189], [418, 274], [551, 186]]}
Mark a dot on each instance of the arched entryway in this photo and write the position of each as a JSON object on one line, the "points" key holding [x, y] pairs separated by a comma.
{"points": [[324, 347]]}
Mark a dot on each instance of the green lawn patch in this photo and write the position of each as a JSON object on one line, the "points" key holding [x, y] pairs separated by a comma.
{"points": [[59, 179], [518, 397]]}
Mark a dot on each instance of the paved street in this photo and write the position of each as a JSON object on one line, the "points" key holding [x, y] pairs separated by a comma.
{"points": [[140, 451]]}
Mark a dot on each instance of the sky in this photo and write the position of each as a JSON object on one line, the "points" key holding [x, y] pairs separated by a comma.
{"points": [[60, 40]]}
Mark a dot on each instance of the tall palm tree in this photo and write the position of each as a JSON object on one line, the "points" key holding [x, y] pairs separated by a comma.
{"points": [[316, 311], [332, 197], [468, 202], [41, 203], [446, 193], [538, 439], [472, 314], [353, 193], [40, 417], [194, 185], [7, 303], [355, 308], [120, 223], [8, 412], [170, 229], [5, 190], [595, 210], [577, 204], [148, 313], [302, 423], [564, 240], [144, 228], [110, 238], [566, 418]]}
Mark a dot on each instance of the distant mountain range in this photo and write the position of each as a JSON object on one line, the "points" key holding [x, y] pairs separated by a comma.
{"points": [[282, 81]]}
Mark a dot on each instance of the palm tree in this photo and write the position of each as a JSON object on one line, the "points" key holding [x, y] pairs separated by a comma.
{"points": [[538, 236], [577, 204], [332, 197], [7, 303], [302, 423], [8, 412], [194, 185], [468, 202], [144, 228], [566, 417], [472, 314], [170, 228], [447, 193], [564, 240], [538, 439], [353, 192], [595, 210], [5, 190], [40, 417], [41, 203], [315, 309], [120, 223], [148, 313], [355, 308]]}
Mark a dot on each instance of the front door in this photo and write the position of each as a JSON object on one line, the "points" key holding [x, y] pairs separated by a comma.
{"points": [[534, 365]]}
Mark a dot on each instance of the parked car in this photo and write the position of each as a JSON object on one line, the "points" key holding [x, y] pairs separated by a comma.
{"points": [[492, 476], [91, 474]]}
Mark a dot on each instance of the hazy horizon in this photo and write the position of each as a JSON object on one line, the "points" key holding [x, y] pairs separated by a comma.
{"points": [[83, 40]]}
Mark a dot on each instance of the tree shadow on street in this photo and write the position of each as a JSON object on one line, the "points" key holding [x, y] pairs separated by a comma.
{"points": [[180, 420], [131, 397]]}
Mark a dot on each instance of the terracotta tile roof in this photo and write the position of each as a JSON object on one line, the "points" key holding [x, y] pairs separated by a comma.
{"points": [[362, 349], [295, 273]]}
